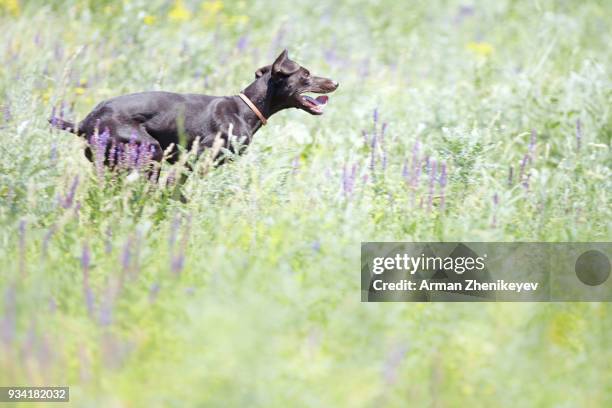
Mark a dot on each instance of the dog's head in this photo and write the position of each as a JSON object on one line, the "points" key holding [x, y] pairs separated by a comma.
{"points": [[288, 83]]}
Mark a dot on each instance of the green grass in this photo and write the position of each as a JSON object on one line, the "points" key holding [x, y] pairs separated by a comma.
{"points": [[265, 310]]}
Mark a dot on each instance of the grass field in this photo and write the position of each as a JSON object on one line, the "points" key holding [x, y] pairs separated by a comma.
{"points": [[454, 120]]}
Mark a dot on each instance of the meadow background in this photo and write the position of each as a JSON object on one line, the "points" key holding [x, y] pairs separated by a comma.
{"points": [[454, 120]]}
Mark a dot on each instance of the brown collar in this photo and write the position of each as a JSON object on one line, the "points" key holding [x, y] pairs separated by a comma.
{"points": [[253, 108]]}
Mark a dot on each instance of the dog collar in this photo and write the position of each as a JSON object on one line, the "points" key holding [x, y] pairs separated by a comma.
{"points": [[253, 108]]}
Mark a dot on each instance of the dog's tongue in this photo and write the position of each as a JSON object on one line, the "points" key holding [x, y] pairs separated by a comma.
{"points": [[319, 101]]}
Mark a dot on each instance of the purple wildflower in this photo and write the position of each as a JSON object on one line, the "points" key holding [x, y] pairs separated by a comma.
{"points": [[174, 228], [432, 180], [392, 363], [106, 310], [316, 246], [171, 178], [77, 209], [522, 175], [373, 151], [348, 179], [364, 68], [495, 204], [30, 340], [112, 154], [85, 258], [365, 137], [510, 175], [47, 238], [405, 171], [58, 51], [122, 156], [295, 165], [87, 292], [443, 181], [526, 181], [145, 155], [353, 176], [148, 157], [68, 200], [243, 41], [382, 145], [532, 143], [128, 157], [132, 150], [416, 176], [137, 248], [177, 259], [154, 175], [330, 55], [578, 134], [99, 143], [8, 322], [463, 13], [44, 351], [53, 117], [6, 112], [178, 262], [53, 152], [22, 244], [126, 255], [52, 305], [426, 164]]}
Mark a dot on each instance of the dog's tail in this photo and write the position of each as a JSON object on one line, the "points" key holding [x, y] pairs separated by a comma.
{"points": [[62, 124]]}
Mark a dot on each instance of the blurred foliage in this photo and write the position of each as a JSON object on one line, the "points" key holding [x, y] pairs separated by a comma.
{"points": [[248, 295]]}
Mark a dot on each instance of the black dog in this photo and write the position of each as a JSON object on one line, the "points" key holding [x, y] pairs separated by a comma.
{"points": [[159, 119]]}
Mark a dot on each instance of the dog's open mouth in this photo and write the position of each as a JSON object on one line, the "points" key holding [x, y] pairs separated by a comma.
{"points": [[314, 105]]}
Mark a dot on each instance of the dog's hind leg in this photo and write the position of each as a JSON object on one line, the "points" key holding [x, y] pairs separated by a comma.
{"points": [[138, 135]]}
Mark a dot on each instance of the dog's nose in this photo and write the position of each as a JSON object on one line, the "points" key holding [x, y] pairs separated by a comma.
{"points": [[335, 83]]}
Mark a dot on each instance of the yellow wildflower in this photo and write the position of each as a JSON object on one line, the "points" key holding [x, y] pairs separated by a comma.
{"points": [[212, 7], [179, 12], [240, 19], [483, 49], [10, 6], [79, 90], [149, 19], [46, 95]]}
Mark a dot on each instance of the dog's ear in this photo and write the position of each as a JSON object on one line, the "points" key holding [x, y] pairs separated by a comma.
{"points": [[283, 65], [259, 73]]}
